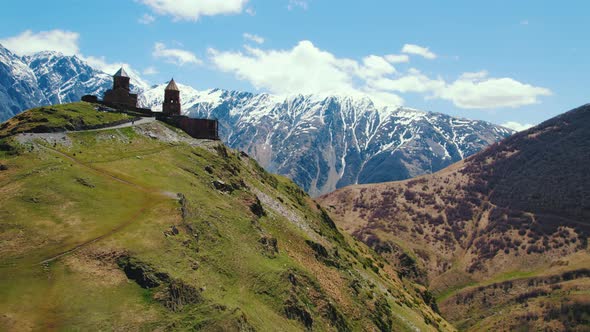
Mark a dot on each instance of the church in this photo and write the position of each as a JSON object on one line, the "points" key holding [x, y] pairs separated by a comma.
{"points": [[121, 99], [120, 93]]}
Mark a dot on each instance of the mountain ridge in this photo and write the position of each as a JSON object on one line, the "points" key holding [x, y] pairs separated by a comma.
{"points": [[514, 217]]}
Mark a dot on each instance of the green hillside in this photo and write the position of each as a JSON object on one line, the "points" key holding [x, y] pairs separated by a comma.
{"points": [[144, 228]]}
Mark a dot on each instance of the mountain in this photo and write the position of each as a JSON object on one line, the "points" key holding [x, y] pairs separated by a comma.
{"points": [[144, 228], [327, 142], [47, 78], [19, 88], [64, 79], [501, 237]]}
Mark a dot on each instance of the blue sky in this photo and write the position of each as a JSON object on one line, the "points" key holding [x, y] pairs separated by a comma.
{"points": [[520, 61]]}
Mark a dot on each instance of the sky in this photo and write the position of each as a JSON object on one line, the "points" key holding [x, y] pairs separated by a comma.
{"points": [[515, 63]]}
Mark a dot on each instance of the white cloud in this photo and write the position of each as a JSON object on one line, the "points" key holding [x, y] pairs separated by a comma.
{"points": [[476, 90], [28, 42], [308, 69], [250, 11], [150, 71], [397, 58], [305, 69], [192, 10], [254, 38], [413, 81], [418, 50], [517, 126], [174, 55], [375, 66], [146, 19], [469, 91], [304, 4]]}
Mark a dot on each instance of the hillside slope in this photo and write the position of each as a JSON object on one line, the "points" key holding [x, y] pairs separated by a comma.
{"points": [[502, 237], [144, 228]]}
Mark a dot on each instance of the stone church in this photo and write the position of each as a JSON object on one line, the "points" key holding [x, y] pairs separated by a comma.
{"points": [[121, 99]]}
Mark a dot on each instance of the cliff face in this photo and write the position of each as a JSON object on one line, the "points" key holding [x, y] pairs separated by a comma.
{"points": [[506, 229], [145, 228]]}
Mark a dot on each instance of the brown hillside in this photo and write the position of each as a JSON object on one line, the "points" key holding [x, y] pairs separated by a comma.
{"points": [[501, 238]]}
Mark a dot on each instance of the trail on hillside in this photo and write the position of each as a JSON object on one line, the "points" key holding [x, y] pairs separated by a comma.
{"points": [[147, 191]]}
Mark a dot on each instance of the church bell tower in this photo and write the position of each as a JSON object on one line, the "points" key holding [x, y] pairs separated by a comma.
{"points": [[171, 104]]}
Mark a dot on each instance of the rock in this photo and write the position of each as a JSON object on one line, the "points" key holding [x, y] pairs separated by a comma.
{"points": [[178, 294], [257, 209], [222, 186], [143, 274], [269, 245], [173, 231], [293, 310]]}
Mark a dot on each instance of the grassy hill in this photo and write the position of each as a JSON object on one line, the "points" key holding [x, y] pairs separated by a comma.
{"points": [[59, 118], [501, 238], [144, 228]]}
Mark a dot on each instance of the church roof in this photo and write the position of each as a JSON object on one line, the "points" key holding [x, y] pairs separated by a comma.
{"points": [[172, 86], [121, 72]]}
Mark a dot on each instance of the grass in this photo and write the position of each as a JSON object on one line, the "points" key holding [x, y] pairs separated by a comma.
{"points": [[76, 116], [129, 184]]}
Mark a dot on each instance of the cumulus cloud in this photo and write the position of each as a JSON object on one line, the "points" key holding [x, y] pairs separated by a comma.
{"points": [[412, 81], [192, 10], [517, 126], [175, 55], [418, 50], [476, 90], [304, 69], [397, 58], [146, 19], [307, 69], [375, 66], [253, 38], [469, 91], [28, 42]]}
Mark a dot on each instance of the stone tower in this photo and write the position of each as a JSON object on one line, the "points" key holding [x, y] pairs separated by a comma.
{"points": [[119, 95], [171, 104], [121, 80]]}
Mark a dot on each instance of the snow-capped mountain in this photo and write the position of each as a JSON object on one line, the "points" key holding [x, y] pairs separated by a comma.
{"points": [[327, 142], [49, 78], [64, 79], [19, 88]]}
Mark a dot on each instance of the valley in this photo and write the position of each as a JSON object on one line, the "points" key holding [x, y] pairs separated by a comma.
{"points": [[500, 238]]}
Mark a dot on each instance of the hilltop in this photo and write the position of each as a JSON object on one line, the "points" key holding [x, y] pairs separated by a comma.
{"points": [[145, 228], [501, 238]]}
